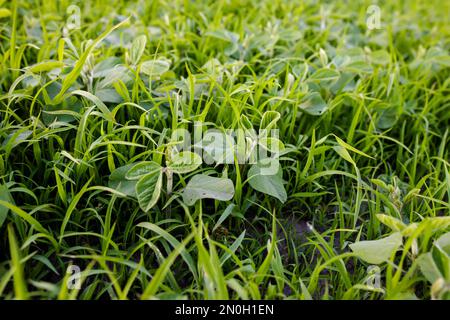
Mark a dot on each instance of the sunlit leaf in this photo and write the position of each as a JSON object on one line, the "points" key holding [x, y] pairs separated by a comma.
{"points": [[184, 162], [137, 49], [205, 187], [313, 104], [148, 189], [118, 181], [377, 251], [265, 177], [141, 169], [155, 68]]}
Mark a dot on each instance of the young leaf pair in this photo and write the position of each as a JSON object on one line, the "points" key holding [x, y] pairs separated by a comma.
{"points": [[149, 176], [266, 175]]}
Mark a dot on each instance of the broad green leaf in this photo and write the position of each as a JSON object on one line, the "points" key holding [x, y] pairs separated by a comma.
{"points": [[325, 74], [428, 267], [380, 57], [443, 243], [358, 67], [228, 36], [148, 189], [218, 147], [117, 74], [438, 55], [223, 34], [141, 169], [436, 264], [118, 181], [108, 95], [106, 66], [387, 118], [300, 70], [443, 246], [184, 162], [137, 49], [214, 68], [313, 104], [266, 177], [377, 251], [155, 68], [206, 187], [345, 83], [31, 81]]}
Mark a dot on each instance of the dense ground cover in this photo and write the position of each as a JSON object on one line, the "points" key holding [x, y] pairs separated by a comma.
{"points": [[359, 208]]}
